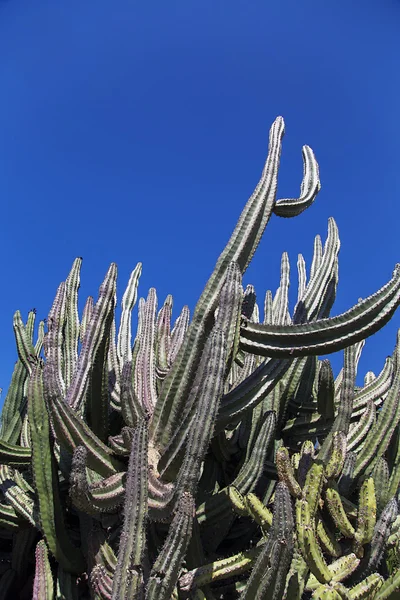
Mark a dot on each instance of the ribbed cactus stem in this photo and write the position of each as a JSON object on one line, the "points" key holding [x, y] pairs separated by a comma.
{"points": [[128, 581]]}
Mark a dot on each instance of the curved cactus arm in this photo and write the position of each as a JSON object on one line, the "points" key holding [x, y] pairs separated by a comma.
{"points": [[251, 391], [26, 351], [257, 510], [359, 430], [326, 335], [326, 538], [72, 431], [96, 498], [337, 455], [389, 588], [9, 519], [45, 478], [131, 408], [43, 585], [166, 568], [86, 317], [366, 516], [128, 581], [253, 466], [218, 570], [378, 437], [335, 507], [375, 388], [71, 327], [240, 249], [17, 497], [14, 455], [124, 344], [145, 363], [310, 186], [93, 336], [341, 568], [367, 588], [327, 592], [163, 343]]}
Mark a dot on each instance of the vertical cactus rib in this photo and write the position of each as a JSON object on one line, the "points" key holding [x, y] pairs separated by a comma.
{"points": [[43, 585], [93, 335], [71, 328], [131, 408], [163, 344], [240, 249], [145, 365], [86, 316], [268, 576], [53, 341], [124, 344], [26, 351], [14, 405], [309, 305], [379, 435], [72, 431], [178, 333], [210, 392], [226, 321], [302, 276], [128, 581], [45, 478], [326, 391], [345, 407], [166, 569]]}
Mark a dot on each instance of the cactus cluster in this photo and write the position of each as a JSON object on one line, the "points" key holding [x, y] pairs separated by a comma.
{"points": [[215, 458]]}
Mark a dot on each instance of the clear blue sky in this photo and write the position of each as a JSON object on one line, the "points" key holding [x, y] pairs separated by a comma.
{"points": [[136, 132]]}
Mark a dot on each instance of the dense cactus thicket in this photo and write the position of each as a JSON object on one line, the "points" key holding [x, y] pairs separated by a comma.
{"points": [[211, 457]]}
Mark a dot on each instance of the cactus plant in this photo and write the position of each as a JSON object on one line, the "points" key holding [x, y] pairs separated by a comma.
{"points": [[213, 457]]}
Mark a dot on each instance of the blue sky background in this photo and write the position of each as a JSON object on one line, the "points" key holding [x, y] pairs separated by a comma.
{"points": [[136, 132]]}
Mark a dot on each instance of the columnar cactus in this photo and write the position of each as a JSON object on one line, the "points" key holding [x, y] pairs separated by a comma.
{"points": [[213, 457]]}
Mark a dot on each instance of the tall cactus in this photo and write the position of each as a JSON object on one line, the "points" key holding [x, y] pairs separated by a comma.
{"points": [[207, 458]]}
